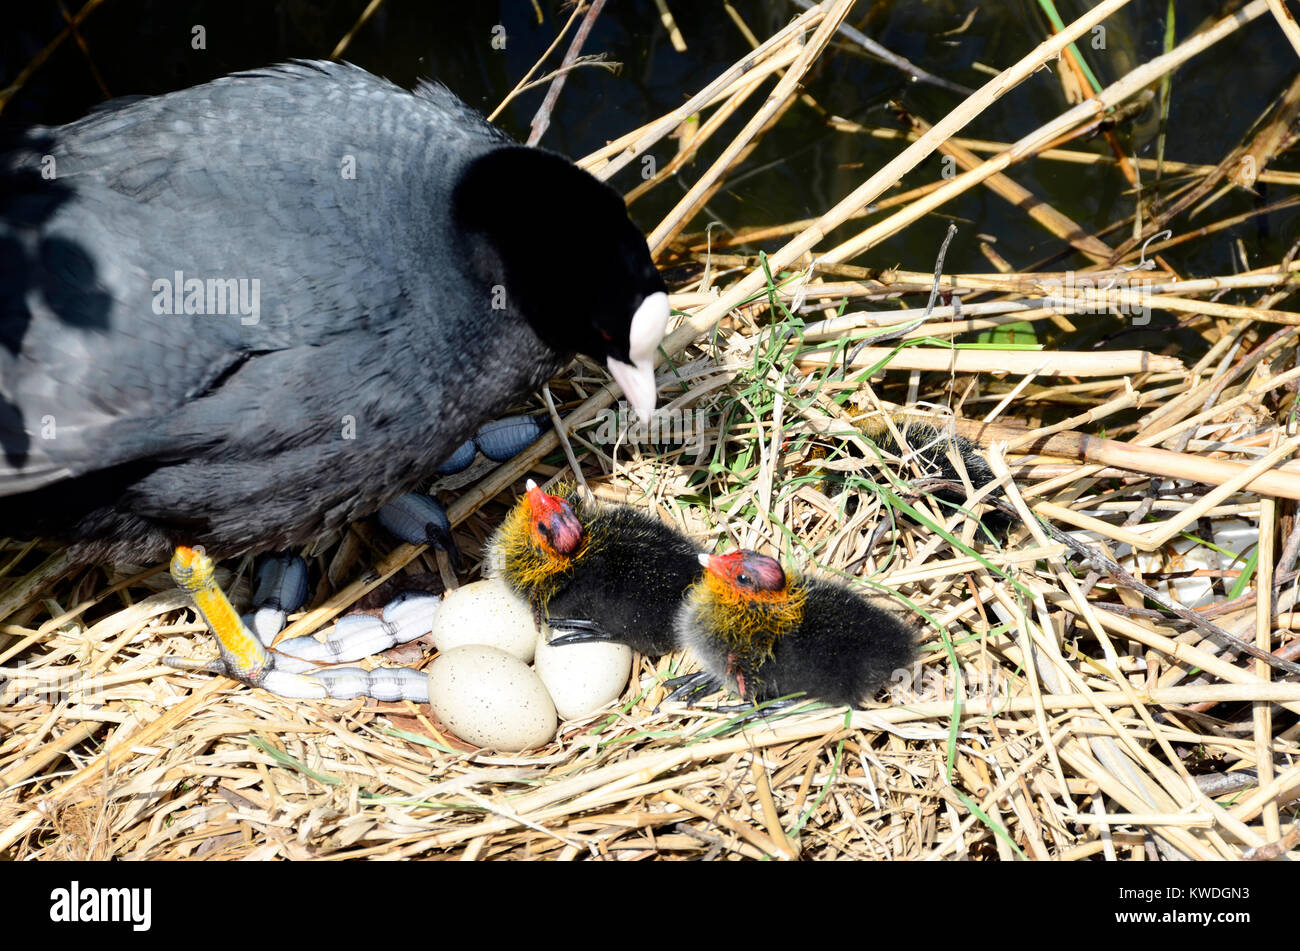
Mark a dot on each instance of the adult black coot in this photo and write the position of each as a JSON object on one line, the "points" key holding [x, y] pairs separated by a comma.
{"points": [[244, 314]]}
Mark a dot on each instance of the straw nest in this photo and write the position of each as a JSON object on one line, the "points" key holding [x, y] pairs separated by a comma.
{"points": [[1091, 685]]}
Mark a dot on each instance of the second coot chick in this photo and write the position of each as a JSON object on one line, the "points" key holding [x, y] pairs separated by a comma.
{"points": [[765, 635], [931, 450], [595, 572]]}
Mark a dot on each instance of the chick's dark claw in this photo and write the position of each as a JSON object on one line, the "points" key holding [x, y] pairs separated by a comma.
{"points": [[766, 635], [692, 689], [689, 687], [759, 709], [572, 630], [596, 572]]}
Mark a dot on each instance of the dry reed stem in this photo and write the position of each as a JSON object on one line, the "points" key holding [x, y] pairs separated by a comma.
{"points": [[1263, 714], [1070, 156], [1286, 22], [777, 102], [605, 162], [1136, 458], [1039, 362], [1052, 220], [1028, 145]]}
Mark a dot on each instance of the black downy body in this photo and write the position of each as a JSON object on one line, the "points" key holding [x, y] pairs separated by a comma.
{"points": [[596, 572]]}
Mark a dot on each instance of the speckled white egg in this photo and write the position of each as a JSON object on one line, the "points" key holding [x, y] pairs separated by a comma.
{"points": [[491, 698], [582, 677], [485, 612]]}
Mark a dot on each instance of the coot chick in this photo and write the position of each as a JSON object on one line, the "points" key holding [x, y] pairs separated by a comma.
{"points": [[931, 450], [595, 572], [765, 635], [247, 313]]}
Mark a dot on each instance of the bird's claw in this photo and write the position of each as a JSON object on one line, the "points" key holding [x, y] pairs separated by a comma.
{"points": [[566, 631], [195, 666], [689, 686], [421, 520], [758, 709]]}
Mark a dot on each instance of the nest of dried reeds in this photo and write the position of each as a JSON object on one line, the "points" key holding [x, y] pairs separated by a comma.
{"points": [[1113, 677]]}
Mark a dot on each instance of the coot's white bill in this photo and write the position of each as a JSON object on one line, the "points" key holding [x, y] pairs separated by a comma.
{"points": [[637, 378]]}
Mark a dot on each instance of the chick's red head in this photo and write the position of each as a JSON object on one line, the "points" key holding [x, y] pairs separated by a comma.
{"points": [[747, 574], [552, 523]]}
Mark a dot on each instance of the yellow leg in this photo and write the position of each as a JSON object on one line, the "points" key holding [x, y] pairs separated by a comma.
{"points": [[245, 656]]}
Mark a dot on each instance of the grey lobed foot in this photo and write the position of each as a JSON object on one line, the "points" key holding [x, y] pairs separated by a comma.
{"points": [[420, 520], [498, 440]]}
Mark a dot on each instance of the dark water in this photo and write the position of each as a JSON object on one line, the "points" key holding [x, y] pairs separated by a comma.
{"points": [[801, 168]]}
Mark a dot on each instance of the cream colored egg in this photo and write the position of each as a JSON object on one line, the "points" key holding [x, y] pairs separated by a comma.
{"points": [[486, 612], [491, 698], [582, 677]]}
